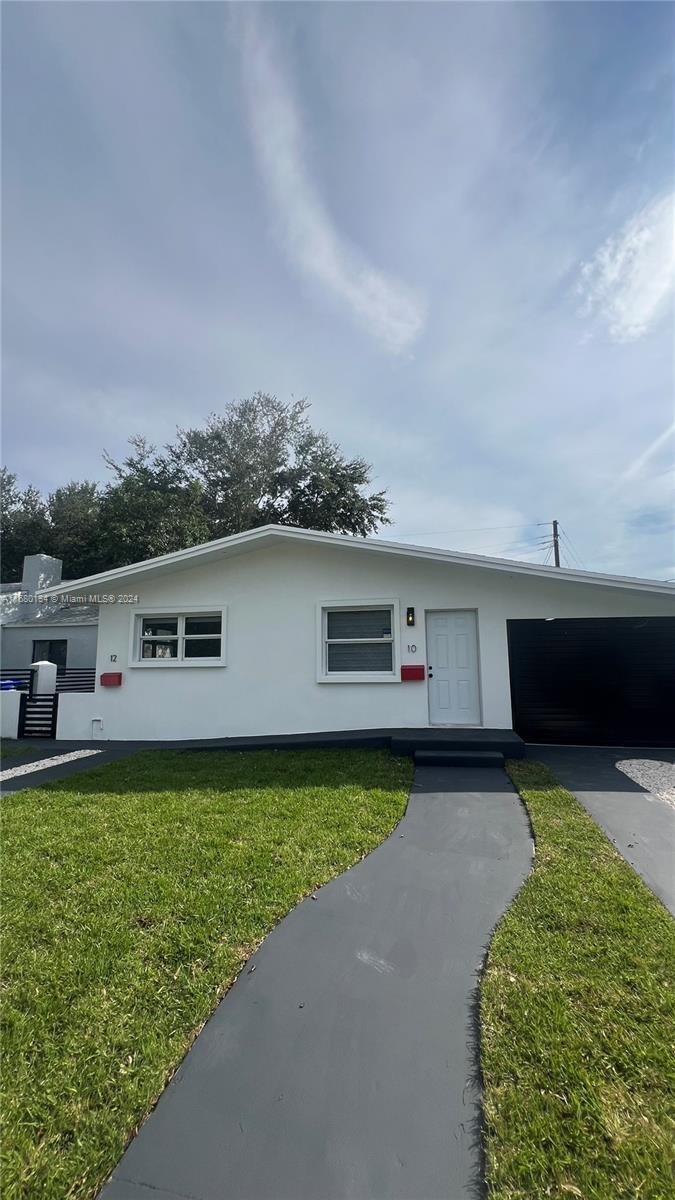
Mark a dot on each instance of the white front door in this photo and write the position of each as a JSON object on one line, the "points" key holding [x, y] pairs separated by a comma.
{"points": [[452, 659]]}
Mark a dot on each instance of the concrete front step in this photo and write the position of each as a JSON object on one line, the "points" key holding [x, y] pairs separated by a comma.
{"points": [[459, 758], [502, 741]]}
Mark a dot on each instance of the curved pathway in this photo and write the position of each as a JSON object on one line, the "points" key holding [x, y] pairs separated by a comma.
{"points": [[342, 1064]]}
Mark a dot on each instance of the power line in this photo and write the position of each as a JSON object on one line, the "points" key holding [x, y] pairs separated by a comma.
{"points": [[572, 549], [514, 538], [510, 546], [574, 556], [520, 552], [474, 529], [551, 544], [531, 556], [493, 547]]}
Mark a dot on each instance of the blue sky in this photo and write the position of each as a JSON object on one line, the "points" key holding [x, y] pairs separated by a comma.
{"points": [[449, 226]]}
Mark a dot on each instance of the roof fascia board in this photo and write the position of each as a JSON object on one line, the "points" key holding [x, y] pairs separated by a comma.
{"points": [[380, 546], [163, 560], [47, 624]]}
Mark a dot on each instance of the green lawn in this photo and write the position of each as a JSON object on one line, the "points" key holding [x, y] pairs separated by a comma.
{"points": [[132, 895], [578, 1019]]}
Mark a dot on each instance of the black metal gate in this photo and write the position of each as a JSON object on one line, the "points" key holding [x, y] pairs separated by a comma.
{"points": [[37, 716], [604, 681]]}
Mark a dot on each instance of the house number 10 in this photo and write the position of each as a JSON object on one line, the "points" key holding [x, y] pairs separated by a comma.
{"points": [[412, 648]]}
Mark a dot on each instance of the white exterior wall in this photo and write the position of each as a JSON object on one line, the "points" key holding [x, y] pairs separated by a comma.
{"points": [[269, 685], [78, 717], [9, 713]]}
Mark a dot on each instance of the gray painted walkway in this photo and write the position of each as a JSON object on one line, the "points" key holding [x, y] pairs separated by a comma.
{"points": [[641, 826], [344, 1066], [38, 750]]}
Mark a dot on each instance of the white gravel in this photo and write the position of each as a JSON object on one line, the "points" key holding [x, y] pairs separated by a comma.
{"points": [[655, 777], [43, 763]]}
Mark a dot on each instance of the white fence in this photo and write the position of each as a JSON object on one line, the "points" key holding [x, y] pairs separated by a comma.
{"points": [[78, 717], [9, 710]]}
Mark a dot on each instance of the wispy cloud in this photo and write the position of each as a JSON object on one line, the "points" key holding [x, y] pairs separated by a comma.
{"points": [[390, 310], [638, 463], [629, 279], [141, 290]]}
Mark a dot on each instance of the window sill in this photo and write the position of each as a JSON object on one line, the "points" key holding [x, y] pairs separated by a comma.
{"points": [[359, 677], [168, 664]]}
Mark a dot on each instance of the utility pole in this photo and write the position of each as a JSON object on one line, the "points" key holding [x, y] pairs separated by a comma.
{"points": [[556, 544]]}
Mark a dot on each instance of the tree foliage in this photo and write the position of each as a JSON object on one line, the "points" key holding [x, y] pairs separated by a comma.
{"points": [[25, 525], [73, 512], [258, 462]]}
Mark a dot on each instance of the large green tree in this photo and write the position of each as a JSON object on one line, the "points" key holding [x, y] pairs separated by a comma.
{"points": [[150, 509], [25, 525], [73, 512], [259, 461]]}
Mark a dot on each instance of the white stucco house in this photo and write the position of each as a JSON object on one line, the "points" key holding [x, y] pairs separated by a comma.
{"points": [[289, 631]]}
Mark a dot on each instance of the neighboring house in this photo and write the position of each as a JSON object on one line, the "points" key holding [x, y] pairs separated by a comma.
{"points": [[280, 630], [60, 631]]}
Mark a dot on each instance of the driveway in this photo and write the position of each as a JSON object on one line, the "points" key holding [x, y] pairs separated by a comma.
{"points": [[641, 826], [343, 1061], [42, 761]]}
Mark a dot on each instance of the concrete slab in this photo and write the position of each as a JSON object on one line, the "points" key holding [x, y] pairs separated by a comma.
{"points": [[641, 826], [343, 1061]]}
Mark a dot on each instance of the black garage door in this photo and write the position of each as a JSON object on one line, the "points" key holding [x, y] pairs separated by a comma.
{"points": [[600, 681]]}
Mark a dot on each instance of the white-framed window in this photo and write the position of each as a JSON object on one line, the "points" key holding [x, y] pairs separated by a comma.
{"points": [[172, 638], [358, 642]]}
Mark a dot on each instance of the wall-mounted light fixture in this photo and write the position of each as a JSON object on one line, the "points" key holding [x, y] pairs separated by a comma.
{"points": [[410, 616]]}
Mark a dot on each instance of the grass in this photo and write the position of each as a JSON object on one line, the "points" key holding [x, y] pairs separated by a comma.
{"points": [[578, 1019], [132, 895]]}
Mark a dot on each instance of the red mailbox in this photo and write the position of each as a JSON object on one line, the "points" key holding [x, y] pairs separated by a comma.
{"points": [[111, 679], [412, 671]]}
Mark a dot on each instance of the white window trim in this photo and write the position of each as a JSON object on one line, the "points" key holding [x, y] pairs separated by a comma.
{"points": [[175, 664], [356, 677]]}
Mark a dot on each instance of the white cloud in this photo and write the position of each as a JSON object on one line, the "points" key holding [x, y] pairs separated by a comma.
{"points": [[390, 310], [636, 466], [629, 279]]}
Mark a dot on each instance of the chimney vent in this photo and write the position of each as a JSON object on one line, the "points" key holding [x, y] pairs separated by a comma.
{"points": [[39, 571]]}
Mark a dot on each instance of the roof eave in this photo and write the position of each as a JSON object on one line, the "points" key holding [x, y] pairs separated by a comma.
{"points": [[377, 545]]}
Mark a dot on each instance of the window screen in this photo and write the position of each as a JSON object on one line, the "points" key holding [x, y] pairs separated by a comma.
{"points": [[350, 624], [359, 656], [359, 640]]}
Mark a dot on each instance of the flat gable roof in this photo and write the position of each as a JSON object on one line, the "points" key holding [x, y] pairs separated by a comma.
{"points": [[268, 535]]}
